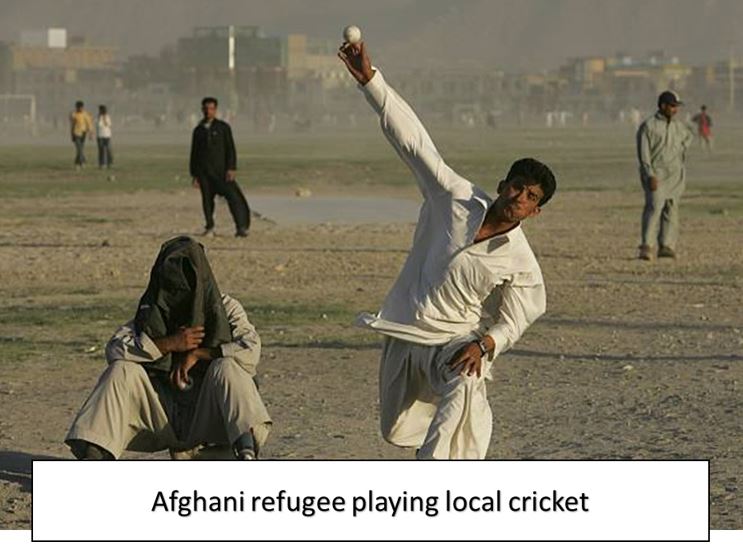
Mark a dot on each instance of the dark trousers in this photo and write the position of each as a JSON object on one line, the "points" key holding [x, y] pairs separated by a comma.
{"points": [[230, 190], [79, 141], [105, 156]]}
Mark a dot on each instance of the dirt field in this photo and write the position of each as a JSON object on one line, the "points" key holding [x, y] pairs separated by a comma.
{"points": [[633, 360]]}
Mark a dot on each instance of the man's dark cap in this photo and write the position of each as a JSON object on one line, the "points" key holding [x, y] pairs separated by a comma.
{"points": [[669, 98]]}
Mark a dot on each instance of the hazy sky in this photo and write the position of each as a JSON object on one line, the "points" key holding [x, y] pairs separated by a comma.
{"points": [[512, 34]]}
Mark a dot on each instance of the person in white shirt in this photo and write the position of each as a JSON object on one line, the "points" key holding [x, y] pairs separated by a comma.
{"points": [[103, 131], [467, 291]]}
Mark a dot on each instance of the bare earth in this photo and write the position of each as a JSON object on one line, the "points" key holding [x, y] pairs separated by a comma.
{"points": [[633, 360]]}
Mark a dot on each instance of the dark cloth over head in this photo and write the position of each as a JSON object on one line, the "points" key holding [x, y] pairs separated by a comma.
{"points": [[182, 292]]}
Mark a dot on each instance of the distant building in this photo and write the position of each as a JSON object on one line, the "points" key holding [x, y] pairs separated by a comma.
{"points": [[57, 71], [719, 85], [258, 75], [635, 81], [459, 96], [621, 81], [584, 74], [46, 38]]}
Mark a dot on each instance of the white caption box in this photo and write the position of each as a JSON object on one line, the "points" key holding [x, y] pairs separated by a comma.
{"points": [[371, 500]]}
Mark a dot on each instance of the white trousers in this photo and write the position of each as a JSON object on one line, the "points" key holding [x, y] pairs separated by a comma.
{"points": [[124, 412], [425, 405]]}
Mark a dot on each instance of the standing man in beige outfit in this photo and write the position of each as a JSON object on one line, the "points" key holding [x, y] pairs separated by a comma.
{"points": [[180, 374], [662, 142], [469, 287]]}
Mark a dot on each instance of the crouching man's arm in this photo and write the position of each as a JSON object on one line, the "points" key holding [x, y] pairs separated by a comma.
{"points": [[127, 345], [245, 347]]}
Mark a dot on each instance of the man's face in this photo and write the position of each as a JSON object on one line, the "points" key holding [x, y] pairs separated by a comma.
{"points": [[668, 110], [518, 199], [209, 110]]}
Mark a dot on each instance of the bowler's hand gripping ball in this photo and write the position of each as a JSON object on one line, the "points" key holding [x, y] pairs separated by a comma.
{"points": [[352, 34]]}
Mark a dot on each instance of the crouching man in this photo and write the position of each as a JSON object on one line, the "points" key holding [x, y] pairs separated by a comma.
{"points": [[180, 374]]}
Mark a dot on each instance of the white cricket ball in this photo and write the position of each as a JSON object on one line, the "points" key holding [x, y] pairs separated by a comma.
{"points": [[352, 34]]}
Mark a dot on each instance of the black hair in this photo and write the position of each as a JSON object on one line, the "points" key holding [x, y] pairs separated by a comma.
{"points": [[534, 170], [704, 107], [102, 109], [209, 100], [79, 104]]}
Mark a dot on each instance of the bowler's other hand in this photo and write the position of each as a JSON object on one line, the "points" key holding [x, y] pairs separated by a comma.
{"points": [[469, 358], [653, 184], [230, 176], [196, 184], [357, 61]]}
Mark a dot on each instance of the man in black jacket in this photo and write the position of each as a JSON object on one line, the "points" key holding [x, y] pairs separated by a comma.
{"points": [[213, 165]]}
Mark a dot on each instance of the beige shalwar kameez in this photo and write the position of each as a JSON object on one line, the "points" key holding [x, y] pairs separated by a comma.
{"points": [[661, 152], [126, 412]]}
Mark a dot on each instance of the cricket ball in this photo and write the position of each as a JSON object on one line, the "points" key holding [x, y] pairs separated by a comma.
{"points": [[352, 34]]}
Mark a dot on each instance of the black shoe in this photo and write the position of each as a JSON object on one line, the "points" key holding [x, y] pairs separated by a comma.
{"points": [[84, 450], [245, 448], [242, 233]]}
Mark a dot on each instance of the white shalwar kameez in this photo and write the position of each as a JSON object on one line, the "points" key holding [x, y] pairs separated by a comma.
{"points": [[450, 291]]}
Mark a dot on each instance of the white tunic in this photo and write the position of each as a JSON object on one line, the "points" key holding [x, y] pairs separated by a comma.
{"points": [[103, 126], [449, 287]]}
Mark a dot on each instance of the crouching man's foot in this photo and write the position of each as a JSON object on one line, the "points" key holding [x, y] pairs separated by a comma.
{"points": [[646, 253], [245, 448], [189, 453], [84, 450]]}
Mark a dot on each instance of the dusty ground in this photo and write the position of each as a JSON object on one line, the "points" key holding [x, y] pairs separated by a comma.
{"points": [[633, 360]]}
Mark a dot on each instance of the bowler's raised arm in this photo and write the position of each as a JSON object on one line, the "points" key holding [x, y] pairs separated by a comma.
{"points": [[402, 127]]}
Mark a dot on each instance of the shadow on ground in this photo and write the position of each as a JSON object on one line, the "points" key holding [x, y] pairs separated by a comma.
{"points": [[16, 467], [626, 357]]}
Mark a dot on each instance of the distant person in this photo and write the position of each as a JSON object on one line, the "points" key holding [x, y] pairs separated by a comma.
{"points": [[81, 127], [662, 142], [213, 165], [103, 131], [180, 373], [703, 122], [469, 289]]}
